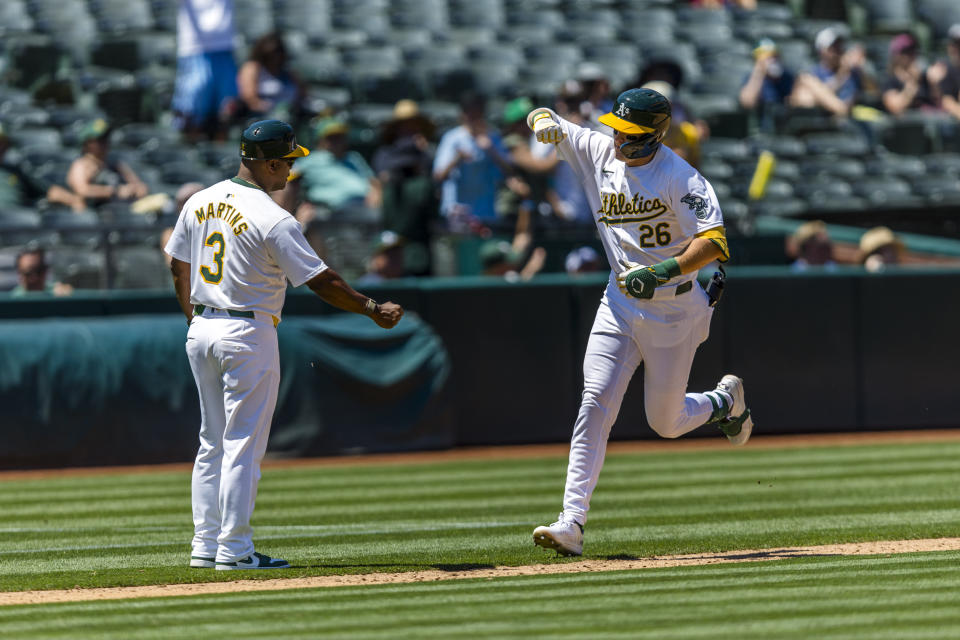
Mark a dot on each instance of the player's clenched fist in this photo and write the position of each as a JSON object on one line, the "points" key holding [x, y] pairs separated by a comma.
{"points": [[546, 129], [387, 315]]}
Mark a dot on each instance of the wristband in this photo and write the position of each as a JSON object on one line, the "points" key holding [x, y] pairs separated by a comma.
{"points": [[370, 306]]}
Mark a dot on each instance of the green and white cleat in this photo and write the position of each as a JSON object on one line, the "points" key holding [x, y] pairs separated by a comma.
{"points": [[738, 425], [256, 561]]}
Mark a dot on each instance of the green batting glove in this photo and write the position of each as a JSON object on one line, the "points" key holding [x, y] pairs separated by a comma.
{"points": [[640, 282]]}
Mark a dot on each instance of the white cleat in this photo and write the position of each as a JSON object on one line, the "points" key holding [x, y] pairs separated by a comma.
{"points": [[255, 561], [738, 425], [202, 562], [563, 536]]}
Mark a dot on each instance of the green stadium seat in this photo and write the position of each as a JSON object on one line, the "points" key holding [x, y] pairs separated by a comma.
{"points": [[845, 144], [829, 166], [940, 15], [15, 18]]}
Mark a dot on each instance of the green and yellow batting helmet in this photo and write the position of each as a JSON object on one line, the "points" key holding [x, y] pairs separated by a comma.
{"points": [[269, 140], [643, 113]]}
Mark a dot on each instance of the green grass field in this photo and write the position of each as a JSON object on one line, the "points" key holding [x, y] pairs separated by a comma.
{"points": [[112, 530]]}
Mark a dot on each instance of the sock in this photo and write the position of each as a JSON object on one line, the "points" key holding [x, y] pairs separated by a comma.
{"points": [[721, 402]]}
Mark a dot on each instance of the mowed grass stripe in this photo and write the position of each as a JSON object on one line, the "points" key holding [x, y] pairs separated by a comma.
{"points": [[875, 597], [468, 472], [734, 499], [871, 476]]}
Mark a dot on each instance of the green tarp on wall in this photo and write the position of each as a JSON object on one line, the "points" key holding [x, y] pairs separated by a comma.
{"points": [[103, 390]]}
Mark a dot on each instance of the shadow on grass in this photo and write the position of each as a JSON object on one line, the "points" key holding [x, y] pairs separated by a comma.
{"points": [[360, 568]]}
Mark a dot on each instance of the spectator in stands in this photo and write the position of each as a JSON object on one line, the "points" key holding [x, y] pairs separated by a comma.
{"points": [[268, 87], [583, 259], [565, 195], [501, 258], [838, 79], [98, 178], [20, 189], [907, 85], [333, 178], [880, 247], [768, 85], [403, 165], [205, 91], [386, 261], [532, 170], [597, 95], [948, 74], [810, 246], [470, 165], [32, 269]]}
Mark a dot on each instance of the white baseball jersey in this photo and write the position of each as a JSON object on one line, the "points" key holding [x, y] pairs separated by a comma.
{"points": [[241, 245], [644, 214]]}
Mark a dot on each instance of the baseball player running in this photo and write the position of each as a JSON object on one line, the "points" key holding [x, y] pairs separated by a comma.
{"points": [[659, 223], [233, 250]]}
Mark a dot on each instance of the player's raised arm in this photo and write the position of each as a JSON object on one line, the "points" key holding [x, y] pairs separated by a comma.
{"points": [[334, 290]]}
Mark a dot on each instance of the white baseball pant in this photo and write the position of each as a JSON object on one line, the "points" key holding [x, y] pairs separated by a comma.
{"points": [[663, 334], [236, 365]]}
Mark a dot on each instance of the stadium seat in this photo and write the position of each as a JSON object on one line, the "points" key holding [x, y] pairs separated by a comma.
{"points": [[477, 13], [836, 143], [940, 15], [74, 228], [886, 191], [320, 66], [725, 149], [311, 17], [432, 15], [15, 18], [946, 163], [139, 267], [891, 164], [449, 85], [938, 190], [122, 16], [780, 146], [21, 225], [846, 168], [78, 267]]}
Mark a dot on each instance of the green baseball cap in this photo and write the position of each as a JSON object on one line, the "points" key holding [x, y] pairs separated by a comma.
{"points": [[496, 251], [94, 130], [330, 126], [516, 110]]}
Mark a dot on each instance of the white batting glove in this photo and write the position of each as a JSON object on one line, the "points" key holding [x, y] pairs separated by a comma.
{"points": [[546, 130]]}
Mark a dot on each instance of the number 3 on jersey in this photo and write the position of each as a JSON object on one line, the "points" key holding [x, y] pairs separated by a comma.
{"points": [[214, 275]]}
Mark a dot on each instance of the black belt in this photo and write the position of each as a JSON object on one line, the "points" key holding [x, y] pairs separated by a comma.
{"points": [[683, 288], [198, 310]]}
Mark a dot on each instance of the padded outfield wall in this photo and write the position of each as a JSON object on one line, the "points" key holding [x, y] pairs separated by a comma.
{"points": [[102, 378]]}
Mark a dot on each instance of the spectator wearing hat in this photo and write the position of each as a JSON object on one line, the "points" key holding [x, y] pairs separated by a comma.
{"points": [[470, 165], [810, 246], [838, 79], [880, 247], [503, 259], [523, 193], [268, 87], [907, 85], [97, 177], [32, 270], [948, 74], [402, 165], [333, 178], [768, 86], [386, 261]]}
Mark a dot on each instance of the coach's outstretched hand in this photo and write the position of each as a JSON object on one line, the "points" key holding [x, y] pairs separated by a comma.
{"points": [[387, 314]]}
